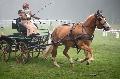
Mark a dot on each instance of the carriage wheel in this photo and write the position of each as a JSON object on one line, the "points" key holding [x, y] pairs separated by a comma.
{"points": [[24, 53], [6, 50], [41, 41], [40, 51]]}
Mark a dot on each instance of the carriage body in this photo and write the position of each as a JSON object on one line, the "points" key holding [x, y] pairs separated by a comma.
{"points": [[21, 42]]}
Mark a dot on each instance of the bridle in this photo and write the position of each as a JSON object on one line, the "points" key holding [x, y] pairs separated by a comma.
{"points": [[98, 19]]}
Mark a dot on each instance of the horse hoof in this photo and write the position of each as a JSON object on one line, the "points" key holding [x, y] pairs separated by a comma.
{"points": [[88, 63], [91, 59], [81, 60], [57, 65]]}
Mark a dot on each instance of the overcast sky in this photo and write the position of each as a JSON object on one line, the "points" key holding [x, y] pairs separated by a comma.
{"points": [[61, 9]]}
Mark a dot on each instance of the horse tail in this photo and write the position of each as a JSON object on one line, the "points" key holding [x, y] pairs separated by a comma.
{"points": [[51, 41], [48, 51]]}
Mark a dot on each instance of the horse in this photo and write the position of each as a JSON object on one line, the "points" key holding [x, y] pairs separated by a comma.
{"points": [[79, 35]]}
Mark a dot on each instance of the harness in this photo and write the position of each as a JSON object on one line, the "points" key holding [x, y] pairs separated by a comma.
{"points": [[80, 36], [75, 39]]}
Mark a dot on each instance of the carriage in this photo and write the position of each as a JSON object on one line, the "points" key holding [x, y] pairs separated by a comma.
{"points": [[22, 45]]}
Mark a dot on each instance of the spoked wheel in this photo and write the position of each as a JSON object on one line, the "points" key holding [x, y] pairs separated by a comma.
{"points": [[40, 50], [42, 42], [6, 50], [24, 56]]}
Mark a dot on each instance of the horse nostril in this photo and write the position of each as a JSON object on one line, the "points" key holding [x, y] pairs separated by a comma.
{"points": [[108, 28]]}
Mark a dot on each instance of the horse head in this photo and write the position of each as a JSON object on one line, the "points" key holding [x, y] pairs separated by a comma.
{"points": [[101, 22]]}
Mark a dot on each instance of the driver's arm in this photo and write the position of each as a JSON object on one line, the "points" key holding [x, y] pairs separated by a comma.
{"points": [[33, 15]]}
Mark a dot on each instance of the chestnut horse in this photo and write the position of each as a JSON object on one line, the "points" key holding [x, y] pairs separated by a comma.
{"points": [[79, 35]]}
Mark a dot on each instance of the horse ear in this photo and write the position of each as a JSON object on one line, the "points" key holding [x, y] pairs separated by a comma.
{"points": [[98, 12]]}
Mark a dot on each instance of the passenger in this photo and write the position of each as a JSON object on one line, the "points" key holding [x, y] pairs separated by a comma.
{"points": [[25, 16]]}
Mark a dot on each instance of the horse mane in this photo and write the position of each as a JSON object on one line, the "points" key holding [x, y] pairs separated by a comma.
{"points": [[87, 21]]}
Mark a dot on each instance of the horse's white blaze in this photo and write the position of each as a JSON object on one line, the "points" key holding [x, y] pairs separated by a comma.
{"points": [[106, 23]]}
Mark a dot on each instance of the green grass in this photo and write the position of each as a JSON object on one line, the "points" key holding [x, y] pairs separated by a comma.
{"points": [[106, 52]]}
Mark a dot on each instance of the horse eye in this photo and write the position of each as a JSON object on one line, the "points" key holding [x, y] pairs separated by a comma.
{"points": [[99, 19]]}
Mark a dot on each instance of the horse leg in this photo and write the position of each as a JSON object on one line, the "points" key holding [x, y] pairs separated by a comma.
{"points": [[65, 53], [88, 54], [92, 58], [88, 57], [54, 53]]}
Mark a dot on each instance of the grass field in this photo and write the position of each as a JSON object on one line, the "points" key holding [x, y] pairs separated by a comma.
{"points": [[106, 65]]}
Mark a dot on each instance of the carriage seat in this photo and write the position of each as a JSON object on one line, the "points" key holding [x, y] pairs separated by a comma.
{"points": [[20, 28]]}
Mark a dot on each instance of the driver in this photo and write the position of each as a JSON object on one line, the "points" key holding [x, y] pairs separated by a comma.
{"points": [[25, 15]]}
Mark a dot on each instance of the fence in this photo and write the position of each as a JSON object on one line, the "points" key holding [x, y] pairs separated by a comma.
{"points": [[116, 32], [50, 24]]}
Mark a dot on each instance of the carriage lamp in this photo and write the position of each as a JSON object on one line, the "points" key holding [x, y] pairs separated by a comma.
{"points": [[2, 28]]}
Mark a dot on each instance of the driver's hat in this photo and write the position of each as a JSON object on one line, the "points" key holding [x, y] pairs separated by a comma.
{"points": [[25, 5]]}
